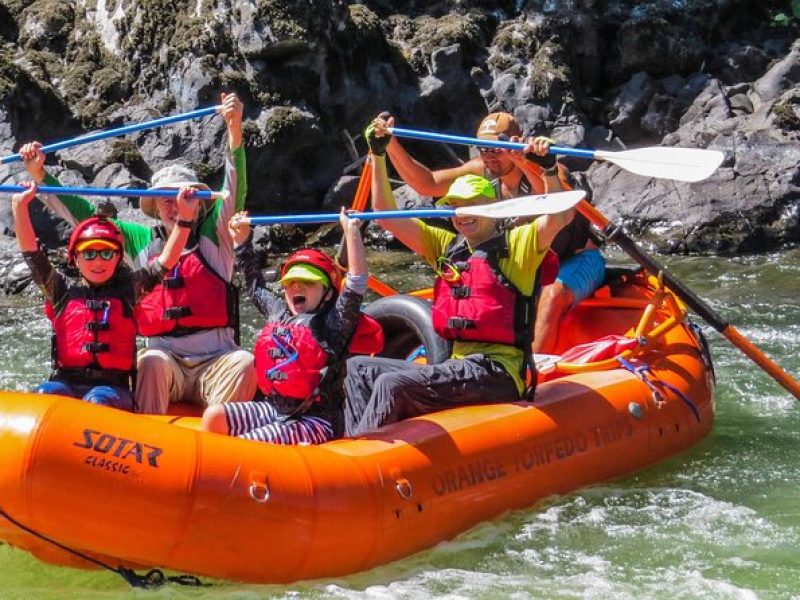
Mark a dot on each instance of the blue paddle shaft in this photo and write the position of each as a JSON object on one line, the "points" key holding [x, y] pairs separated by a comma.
{"points": [[84, 191], [366, 216], [101, 135], [469, 141]]}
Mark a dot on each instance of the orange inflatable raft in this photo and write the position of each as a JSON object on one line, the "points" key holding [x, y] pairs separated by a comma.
{"points": [[153, 491]]}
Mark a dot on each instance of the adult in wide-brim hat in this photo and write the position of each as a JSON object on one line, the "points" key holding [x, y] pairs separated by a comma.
{"points": [[172, 177]]}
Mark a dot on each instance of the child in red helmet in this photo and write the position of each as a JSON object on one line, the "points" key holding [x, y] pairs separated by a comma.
{"points": [[301, 352], [94, 334]]}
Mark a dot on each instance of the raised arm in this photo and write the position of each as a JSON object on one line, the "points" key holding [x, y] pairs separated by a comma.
{"points": [[550, 225], [215, 225], [232, 110], [552, 175], [176, 242], [356, 256], [72, 209], [424, 180], [20, 203]]}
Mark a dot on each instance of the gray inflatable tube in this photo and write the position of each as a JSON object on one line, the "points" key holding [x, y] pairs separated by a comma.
{"points": [[407, 328]]}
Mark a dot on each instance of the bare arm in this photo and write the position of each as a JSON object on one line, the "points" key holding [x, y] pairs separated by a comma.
{"points": [[176, 242], [232, 110], [33, 158], [550, 225], [414, 173], [26, 236], [356, 256], [405, 230]]}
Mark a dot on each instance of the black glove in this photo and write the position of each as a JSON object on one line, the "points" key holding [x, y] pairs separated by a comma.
{"points": [[548, 161], [377, 145]]}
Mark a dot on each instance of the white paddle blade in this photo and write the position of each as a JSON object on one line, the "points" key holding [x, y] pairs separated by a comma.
{"points": [[525, 206], [680, 164]]}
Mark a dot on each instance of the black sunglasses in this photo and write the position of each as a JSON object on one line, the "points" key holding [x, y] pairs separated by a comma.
{"points": [[92, 254]]}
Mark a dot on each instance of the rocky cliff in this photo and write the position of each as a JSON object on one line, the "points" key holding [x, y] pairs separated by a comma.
{"points": [[719, 74]]}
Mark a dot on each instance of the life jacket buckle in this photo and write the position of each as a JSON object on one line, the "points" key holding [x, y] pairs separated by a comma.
{"points": [[172, 283], [95, 347], [97, 326], [460, 323], [94, 304], [177, 312], [460, 291], [273, 375], [276, 353]]}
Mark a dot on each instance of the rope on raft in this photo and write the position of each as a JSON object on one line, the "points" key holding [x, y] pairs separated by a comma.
{"points": [[154, 578]]}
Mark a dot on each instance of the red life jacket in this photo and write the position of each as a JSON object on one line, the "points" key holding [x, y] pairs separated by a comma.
{"points": [[291, 362], [93, 331], [191, 298], [474, 301]]}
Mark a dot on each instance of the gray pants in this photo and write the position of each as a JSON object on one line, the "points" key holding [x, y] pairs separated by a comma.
{"points": [[380, 391]]}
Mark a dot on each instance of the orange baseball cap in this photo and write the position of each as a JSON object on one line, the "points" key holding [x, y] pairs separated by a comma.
{"points": [[497, 123]]}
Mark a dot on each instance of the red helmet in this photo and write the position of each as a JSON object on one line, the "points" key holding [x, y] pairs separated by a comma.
{"points": [[94, 228], [315, 258]]}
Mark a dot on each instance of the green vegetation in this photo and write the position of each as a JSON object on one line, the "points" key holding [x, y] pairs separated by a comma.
{"points": [[127, 152], [55, 20], [783, 19], [786, 115], [282, 122], [9, 72]]}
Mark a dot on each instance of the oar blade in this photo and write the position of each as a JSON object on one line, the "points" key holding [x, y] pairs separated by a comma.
{"points": [[680, 164], [525, 206]]}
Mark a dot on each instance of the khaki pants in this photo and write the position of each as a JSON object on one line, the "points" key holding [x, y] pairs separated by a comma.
{"points": [[164, 378]]}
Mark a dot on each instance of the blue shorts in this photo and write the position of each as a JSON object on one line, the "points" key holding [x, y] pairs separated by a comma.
{"points": [[583, 273]]}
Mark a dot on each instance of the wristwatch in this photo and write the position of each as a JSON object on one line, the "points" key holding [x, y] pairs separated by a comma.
{"points": [[551, 172]]}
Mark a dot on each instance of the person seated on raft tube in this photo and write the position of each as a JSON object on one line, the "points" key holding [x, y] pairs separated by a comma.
{"points": [[581, 267], [300, 354], [189, 321], [483, 300], [94, 334]]}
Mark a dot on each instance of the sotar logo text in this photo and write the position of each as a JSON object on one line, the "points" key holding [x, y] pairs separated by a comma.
{"points": [[118, 447]]}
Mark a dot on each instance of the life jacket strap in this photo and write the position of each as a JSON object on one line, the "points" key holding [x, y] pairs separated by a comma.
{"points": [[177, 312]]}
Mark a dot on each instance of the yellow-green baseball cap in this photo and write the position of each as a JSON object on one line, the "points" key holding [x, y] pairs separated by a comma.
{"points": [[304, 272], [468, 188]]}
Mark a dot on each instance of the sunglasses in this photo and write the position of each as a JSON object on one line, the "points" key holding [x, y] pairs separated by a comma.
{"points": [[489, 150], [92, 254]]}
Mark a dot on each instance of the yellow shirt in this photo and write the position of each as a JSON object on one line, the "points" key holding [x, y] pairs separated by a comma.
{"points": [[520, 269]]}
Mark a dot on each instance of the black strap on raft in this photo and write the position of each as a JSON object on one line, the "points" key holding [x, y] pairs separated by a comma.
{"points": [[154, 578]]}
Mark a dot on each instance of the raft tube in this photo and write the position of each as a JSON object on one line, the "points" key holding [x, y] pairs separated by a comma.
{"points": [[146, 491]]}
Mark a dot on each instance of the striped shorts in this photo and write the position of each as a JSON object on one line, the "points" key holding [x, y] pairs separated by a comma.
{"points": [[262, 422]]}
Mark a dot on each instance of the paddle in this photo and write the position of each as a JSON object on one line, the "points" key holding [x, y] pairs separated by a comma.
{"points": [[524, 206], [680, 164], [89, 191], [617, 235], [101, 135]]}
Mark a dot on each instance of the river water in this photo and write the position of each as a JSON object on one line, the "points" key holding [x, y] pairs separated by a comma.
{"points": [[720, 521]]}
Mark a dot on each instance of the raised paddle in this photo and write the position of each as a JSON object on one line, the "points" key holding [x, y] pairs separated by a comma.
{"points": [[90, 191], [101, 135], [617, 235], [524, 206], [680, 164]]}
